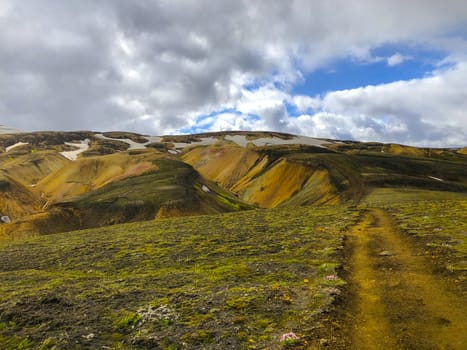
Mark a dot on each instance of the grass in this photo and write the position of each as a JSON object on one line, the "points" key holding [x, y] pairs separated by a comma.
{"points": [[376, 148], [441, 226], [215, 282], [435, 220], [395, 196], [126, 135], [103, 147], [44, 139]]}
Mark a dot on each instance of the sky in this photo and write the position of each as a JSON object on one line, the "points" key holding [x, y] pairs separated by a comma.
{"points": [[387, 70]]}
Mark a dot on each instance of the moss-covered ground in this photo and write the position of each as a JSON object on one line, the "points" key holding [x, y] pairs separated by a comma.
{"points": [[231, 281], [440, 227], [436, 221]]}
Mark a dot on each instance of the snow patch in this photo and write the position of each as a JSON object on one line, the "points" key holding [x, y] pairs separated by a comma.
{"points": [[131, 143], [81, 147], [205, 141], [153, 139], [238, 139], [9, 148], [436, 178], [242, 141]]}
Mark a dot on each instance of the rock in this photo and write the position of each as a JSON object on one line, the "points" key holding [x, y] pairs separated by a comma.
{"points": [[323, 342], [89, 336], [386, 253], [5, 219]]}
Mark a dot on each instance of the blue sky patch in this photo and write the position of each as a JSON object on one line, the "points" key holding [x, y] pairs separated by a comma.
{"points": [[350, 73]]}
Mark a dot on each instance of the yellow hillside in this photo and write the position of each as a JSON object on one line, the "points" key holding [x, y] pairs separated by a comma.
{"points": [[402, 150], [318, 189], [223, 164], [87, 174], [276, 185], [16, 200], [31, 167], [259, 179]]}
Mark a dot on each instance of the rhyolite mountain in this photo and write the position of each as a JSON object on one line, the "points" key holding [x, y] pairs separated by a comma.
{"points": [[59, 181]]}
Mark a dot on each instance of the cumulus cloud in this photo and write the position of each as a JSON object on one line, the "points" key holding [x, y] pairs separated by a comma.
{"points": [[430, 108], [397, 59], [157, 66]]}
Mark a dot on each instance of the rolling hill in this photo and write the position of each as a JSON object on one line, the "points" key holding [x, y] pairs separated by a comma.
{"points": [[97, 179]]}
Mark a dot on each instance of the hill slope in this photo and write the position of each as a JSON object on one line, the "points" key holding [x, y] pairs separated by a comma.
{"points": [[95, 179], [214, 282]]}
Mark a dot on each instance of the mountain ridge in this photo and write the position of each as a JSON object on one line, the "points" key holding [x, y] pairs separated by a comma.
{"points": [[96, 179]]}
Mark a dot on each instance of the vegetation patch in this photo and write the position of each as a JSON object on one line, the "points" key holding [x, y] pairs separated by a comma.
{"points": [[126, 135], [103, 147], [45, 139], [227, 281], [181, 138], [440, 226]]}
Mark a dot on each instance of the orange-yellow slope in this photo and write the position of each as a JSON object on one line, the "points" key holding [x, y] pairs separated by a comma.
{"points": [[87, 174], [225, 165], [276, 185], [257, 179], [16, 200]]}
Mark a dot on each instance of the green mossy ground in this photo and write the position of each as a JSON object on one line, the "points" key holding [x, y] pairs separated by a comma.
{"points": [[441, 226], [216, 282], [435, 221]]}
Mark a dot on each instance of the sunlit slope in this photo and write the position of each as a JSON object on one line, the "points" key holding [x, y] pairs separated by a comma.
{"points": [[19, 173], [87, 174], [226, 164], [298, 174], [275, 175], [169, 188], [257, 178], [119, 177], [31, 167], [16, 200]]}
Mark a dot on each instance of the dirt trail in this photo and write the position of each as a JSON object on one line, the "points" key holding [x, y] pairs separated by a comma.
{"points": [[397, 303]]}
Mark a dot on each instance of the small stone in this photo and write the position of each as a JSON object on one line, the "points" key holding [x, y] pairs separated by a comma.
{"points": [[386, 253], [89, 336], [323, 342]]}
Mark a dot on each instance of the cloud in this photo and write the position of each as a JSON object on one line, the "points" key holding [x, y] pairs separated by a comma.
{"points": [[397, 59], [157, 66], [427, 111]]}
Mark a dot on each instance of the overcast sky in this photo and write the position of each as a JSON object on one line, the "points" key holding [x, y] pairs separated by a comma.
{"points": [[386, 70]]}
